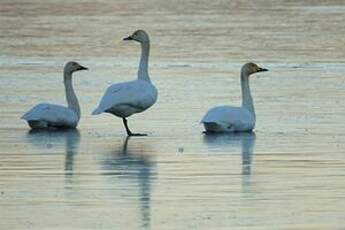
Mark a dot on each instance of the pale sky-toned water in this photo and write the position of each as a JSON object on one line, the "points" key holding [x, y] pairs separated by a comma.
{"points": [[288, 174]]}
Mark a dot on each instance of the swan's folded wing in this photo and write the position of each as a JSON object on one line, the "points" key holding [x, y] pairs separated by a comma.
{"points": [[51, 113], [228, 116], [126, 93], [216, 115]]}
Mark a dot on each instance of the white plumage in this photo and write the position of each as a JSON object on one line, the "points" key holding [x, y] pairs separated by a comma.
{"points": [[235, 119], [127, 98], [228, 119], [47, 115]]}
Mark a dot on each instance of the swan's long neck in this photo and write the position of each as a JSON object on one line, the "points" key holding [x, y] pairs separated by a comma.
{"points": [[247, 99], [143, 73], [71, 98]]}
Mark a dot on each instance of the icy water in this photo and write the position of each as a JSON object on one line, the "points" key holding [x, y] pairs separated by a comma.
{"points": [[289, 174]]}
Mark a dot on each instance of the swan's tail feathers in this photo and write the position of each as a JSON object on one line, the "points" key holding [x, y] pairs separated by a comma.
{"points": [[97, 111], [25, 116]]}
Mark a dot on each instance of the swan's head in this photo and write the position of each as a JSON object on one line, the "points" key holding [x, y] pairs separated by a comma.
{"points": [[73, 66], [139, 36], [251, 68]]}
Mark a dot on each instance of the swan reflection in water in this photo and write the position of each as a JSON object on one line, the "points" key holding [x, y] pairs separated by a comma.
{"points": [[230, 142], [132, 163], [49, 139]]}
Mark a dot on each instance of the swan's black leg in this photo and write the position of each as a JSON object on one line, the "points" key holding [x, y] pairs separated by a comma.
{"points": [[129, 133]]}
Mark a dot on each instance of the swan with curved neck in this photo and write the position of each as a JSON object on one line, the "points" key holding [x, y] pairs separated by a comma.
{"points": [[235, 119], [47, 115], [127, 98]]}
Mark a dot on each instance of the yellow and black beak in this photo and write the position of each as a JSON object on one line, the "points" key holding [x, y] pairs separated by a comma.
{"points": [[129, 38]]}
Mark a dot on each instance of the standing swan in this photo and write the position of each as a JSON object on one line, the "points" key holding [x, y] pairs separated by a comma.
{"points": [[235, 119], [127, 98], [46, 115]]}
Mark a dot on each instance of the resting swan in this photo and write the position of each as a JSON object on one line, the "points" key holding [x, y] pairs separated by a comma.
{"points": [[235, 119], [127, 98], [46, 115]]}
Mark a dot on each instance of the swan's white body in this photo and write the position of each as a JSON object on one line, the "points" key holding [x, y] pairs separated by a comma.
{"points": [[228, 119], [127, 98], [234, 119], [47, 115]]}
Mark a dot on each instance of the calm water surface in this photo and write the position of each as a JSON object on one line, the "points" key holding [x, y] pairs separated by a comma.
{"points": [[288, 174]]}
